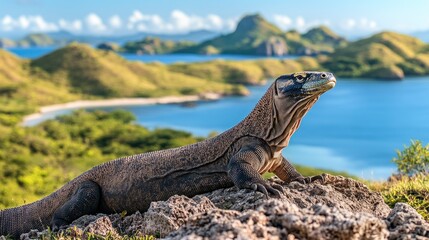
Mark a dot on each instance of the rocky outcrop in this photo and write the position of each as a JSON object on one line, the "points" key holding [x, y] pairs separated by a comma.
{"points": [[341, 208], [273, 46]]}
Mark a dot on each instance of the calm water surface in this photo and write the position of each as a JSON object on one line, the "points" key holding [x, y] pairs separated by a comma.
{"points": [[36, 52], [355, 127]]}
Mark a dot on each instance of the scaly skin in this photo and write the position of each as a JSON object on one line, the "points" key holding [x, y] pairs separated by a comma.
{"points": [[236, 157]]}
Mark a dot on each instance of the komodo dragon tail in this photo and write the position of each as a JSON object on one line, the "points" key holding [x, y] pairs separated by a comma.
{"points": [[36, 215]]}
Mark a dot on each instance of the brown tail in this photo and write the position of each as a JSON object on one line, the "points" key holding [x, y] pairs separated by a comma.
{"points": [[36, 215], [15, 221]]}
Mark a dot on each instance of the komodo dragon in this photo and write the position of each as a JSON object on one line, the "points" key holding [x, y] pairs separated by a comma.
{"points": [[236, 157]]}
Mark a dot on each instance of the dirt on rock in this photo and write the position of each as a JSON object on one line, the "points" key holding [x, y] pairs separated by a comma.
{"points": [[340, 208]]}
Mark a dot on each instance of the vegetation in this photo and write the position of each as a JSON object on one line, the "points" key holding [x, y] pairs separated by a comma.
{"points": [[151, 45], [413, 191], [411, 185], [37, 160], [413, 160]]}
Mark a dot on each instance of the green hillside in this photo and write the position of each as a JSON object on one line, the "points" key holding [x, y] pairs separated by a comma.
{"points": [[87, 71], [324, 39], [383, 55], [154, 45], [36, 39], [245, 72]]}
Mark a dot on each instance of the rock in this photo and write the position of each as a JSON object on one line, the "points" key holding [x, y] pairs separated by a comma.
{"points": [[164, 217], [404, 222], [273, 46], [340, 192], [278, 219], [100, 227], [340, 208]]}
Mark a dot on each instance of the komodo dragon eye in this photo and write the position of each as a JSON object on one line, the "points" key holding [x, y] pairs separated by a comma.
{"points": [[299, 78], [323, 75]]}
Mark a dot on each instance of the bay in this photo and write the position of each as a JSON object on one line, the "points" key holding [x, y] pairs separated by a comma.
{"points": [[36, 52]]}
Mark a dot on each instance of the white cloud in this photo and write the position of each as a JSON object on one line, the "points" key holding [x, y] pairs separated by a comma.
{"points": [[71, 26], [363, 24], [115, 21], [177, 22], [23, 22], [282, 21], [34, 23], [94, 23], [214, 21], [300, 23], [7, 23], [37, 23]]}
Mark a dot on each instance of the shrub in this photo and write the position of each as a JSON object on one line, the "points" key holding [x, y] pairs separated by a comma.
{"points": [[413, 159]]}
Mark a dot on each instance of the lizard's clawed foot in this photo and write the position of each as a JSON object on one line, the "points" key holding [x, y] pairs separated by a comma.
{"points": [[265, 188], [305, 180]]}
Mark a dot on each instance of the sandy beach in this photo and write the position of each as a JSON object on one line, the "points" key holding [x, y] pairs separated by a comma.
{"points": [[119, 102]]}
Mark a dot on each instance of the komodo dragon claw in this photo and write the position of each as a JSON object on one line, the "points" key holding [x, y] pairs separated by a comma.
{"points": [[264, 188], [310, 179]]}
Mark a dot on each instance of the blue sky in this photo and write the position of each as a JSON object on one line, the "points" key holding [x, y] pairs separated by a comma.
{"points": [[107, 17]]}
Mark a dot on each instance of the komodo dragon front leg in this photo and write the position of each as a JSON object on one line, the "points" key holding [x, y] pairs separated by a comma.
{"points": [[288, 173], [243, 170]]}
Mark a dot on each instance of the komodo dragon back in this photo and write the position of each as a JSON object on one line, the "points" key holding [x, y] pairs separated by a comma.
{"points": [[236, 157]]}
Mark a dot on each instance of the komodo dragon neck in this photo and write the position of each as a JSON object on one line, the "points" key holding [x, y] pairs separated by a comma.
{"points": [[273, 120]]}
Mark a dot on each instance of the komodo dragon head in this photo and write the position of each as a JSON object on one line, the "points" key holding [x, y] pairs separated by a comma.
{"points": [[287, 101]]}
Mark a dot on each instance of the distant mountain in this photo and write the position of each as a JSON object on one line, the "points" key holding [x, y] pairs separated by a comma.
{"points": [[383, 55], [423, 35], [193, 36], [325, 36], [33, 40], [62, 38], [256, 36], [7, 43], [154, 45]]}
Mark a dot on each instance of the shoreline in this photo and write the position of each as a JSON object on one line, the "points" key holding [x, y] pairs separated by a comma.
{"points": [[80, 104]]}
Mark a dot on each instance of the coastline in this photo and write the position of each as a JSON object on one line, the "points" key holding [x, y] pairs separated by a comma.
{"points": [[118, 102]]}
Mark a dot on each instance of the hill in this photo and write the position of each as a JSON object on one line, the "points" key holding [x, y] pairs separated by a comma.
{"points": [[383, 55], [154, 45], [37, 39], [256, 36]]}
